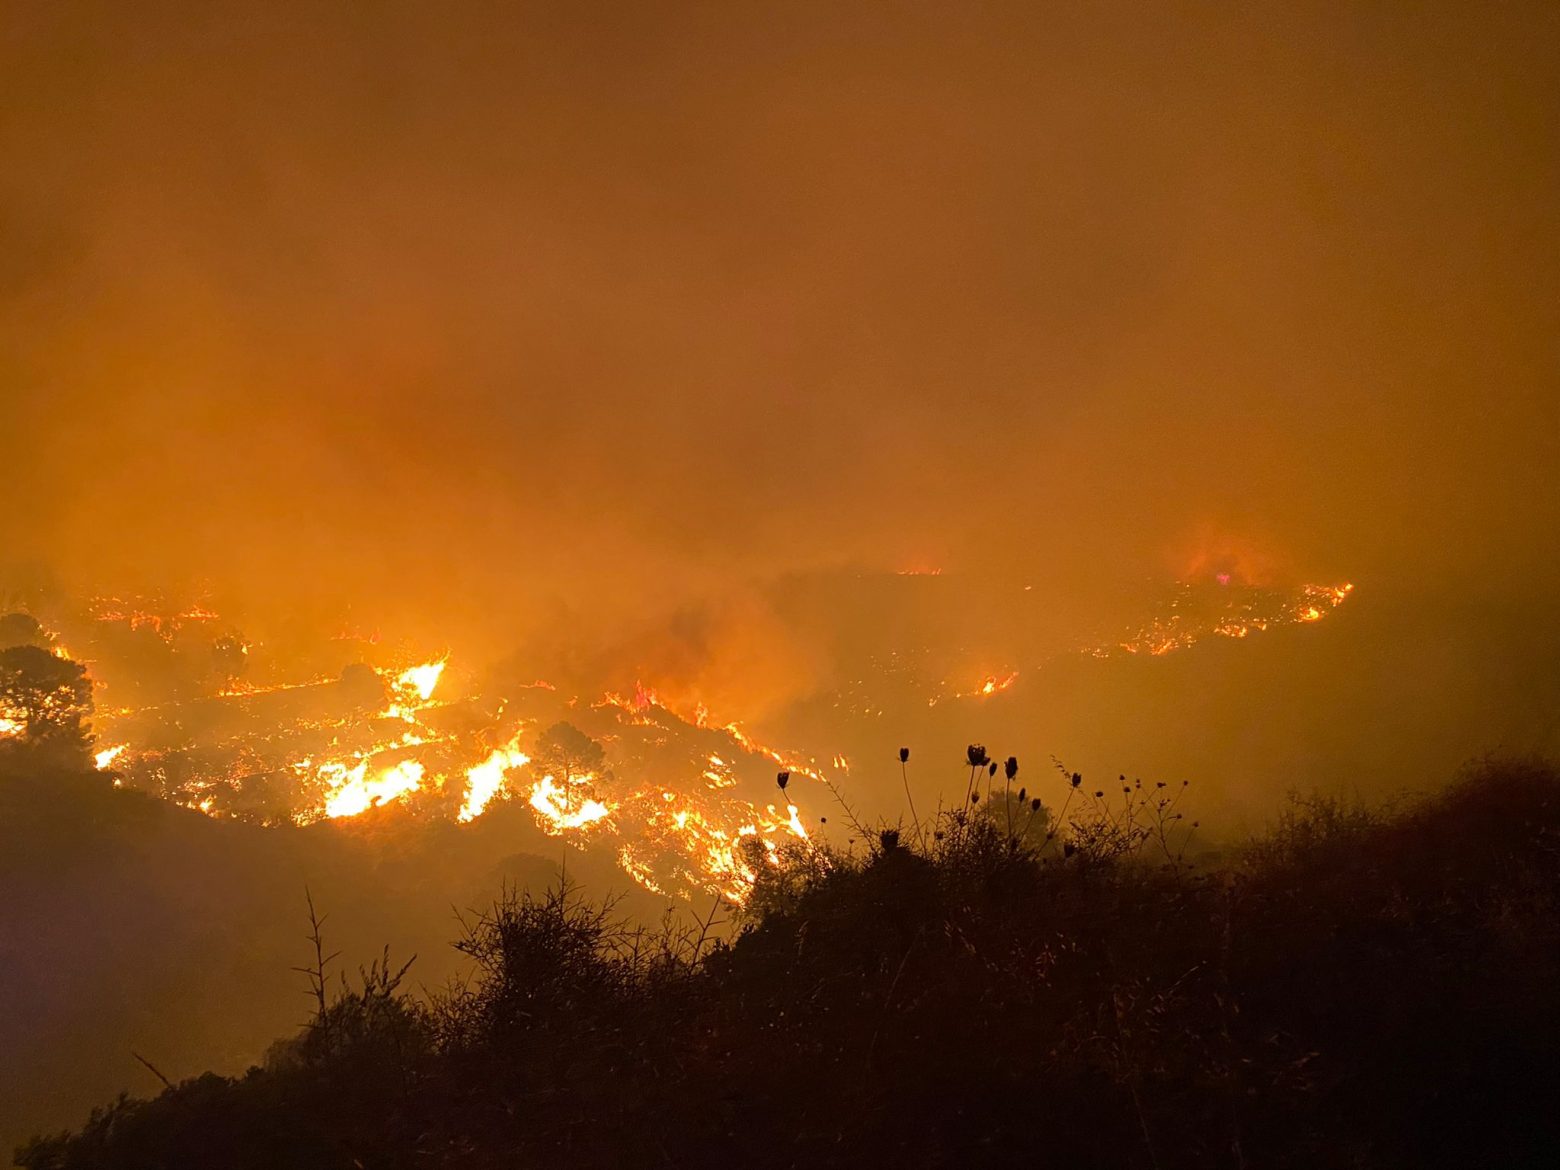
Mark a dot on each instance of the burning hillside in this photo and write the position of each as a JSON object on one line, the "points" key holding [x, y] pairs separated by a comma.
{"points": [[298, 731], [188, 709], [890, 670]]}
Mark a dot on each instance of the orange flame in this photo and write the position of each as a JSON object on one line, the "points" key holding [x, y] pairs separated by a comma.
{"points": [[566, 806], [356, 794], [485, 780]]}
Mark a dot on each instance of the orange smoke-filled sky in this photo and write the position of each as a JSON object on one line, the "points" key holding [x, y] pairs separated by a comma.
{"points": [[601, 298]]}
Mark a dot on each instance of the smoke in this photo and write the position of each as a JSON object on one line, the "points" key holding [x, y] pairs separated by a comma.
{"points": [[468, 312], [571, 339]]}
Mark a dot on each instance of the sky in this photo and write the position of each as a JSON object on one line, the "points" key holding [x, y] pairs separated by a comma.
{"points": [[474, 305]]}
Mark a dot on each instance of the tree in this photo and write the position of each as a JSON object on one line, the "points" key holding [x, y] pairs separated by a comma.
{"points": [[46, 701], [566, 752]]}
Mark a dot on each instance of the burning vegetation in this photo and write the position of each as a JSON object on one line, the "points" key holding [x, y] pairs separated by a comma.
{"points": [[186, 706], [190, 710]]}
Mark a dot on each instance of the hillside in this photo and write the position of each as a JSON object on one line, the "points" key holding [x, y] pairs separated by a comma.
{"points": [[133, 925], [1366, 988]]}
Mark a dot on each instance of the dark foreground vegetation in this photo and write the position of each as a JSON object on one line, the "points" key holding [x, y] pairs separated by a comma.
{"points": [[1358, 988]]}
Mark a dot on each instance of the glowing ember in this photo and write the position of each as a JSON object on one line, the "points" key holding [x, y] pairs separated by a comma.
{"points": [[1188, 618]]}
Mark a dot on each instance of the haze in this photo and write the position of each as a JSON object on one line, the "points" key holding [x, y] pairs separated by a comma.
{"points": [[416, 305]]}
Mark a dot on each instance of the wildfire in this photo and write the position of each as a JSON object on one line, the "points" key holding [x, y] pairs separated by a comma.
{"points": [[484, 781], [139, 613], [642, 707], [358, 792], [689, 841], [711, 840], [721, 850], [1258, 609], [411, 691], [376, 735], [421, 679], [991, 686], [566, 806]]}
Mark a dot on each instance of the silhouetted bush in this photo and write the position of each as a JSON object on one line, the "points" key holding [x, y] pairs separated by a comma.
{"points": [[1359, 987]]}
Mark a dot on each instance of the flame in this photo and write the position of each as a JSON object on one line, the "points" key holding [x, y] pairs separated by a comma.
{"points": [[713, 857], [562, 808], [793, 822], [485, 780], [637, 870], [350, 789], [641, 708], [139, 613], [348, 783], [991, 686], [1259, 610], [421, 679], [357, 794], [719, 774], [697, 835], [411, 690]]}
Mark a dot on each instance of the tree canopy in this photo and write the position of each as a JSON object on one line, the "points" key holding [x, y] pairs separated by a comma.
{"points": [[565, 751], [45, 703]]}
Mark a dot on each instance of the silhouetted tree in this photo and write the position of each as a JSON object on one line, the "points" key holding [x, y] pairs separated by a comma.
{"points": [[50, 699], [566, 752]]}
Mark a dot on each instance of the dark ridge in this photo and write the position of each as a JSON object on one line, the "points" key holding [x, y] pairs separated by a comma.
{"points": [[1359, 987]]}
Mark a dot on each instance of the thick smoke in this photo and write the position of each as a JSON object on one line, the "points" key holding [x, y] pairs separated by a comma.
{"points": [[457, 313]]}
